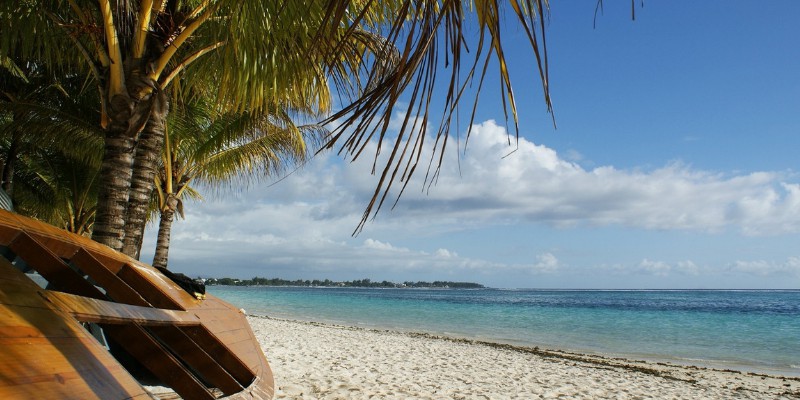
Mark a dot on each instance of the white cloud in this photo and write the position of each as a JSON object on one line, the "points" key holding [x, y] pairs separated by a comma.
{"points": [[546, 263], [536, 185], [789, 267], [444, 253], [303, 224], [378, 245], [688, 268], [533, 184], [658, 268]]}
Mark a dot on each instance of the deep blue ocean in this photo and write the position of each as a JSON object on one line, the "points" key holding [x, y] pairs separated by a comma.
{"points": [[747, 330]]}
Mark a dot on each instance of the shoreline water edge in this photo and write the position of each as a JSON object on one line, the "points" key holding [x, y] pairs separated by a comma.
{"points": [[315, 360], [751, 331]]}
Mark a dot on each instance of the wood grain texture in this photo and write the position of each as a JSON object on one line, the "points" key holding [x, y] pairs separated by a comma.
{"points": [[47, 353], [106, 312]]}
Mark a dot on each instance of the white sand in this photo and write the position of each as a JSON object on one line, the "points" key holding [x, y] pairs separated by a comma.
{"points": [[320, 361]]}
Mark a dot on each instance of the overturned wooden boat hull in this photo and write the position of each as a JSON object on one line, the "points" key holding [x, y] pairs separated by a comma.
{"points": [[202, 349]]}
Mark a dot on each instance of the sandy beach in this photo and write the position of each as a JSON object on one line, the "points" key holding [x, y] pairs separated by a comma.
{"points": [[322, 361]]}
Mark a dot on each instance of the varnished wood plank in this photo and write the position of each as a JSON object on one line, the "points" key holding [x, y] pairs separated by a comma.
{"points": [[105, 312], [105, 276], [219, 317], [63, 389], [223, 318], [232, 328], [220, 326], [226, 323], [238, 368], [165, 284], [51, 364], [30, 322], [51, 267], [154, 288], [197, 358], [68, 240], [11, 273], [251, 355], [110, 259], [57, 240], [9, 227], [234, 335], [133, 338], [140, 344], [56, 245], [23, 313], [18, 293], [44, 357]]}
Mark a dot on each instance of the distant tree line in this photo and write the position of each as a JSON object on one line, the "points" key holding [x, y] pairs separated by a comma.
{"points": [[257, 281]]}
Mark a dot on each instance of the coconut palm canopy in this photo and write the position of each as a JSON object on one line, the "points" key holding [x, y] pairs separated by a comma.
{"points": [[50, 146], [218, 150], [250, 55]]}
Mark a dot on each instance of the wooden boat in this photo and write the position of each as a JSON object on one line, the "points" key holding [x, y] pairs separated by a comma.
{"points": [[202, 349]]}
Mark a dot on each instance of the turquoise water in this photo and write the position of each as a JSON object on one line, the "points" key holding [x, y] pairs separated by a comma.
{"points": [[747, 330]]}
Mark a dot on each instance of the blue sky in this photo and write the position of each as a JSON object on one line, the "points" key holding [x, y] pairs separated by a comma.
{"points": [[674, 165]]}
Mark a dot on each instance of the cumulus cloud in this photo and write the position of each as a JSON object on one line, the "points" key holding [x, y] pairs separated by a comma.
{"points": [[534, 183], [546, 263], [789, 267], [444, 253], [378, 245], [658, 268], [303, 224]]}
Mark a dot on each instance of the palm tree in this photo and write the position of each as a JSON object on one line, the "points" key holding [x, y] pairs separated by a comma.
{"points": [[50, 147], [252, 54], [58, 189], [214, 149]]}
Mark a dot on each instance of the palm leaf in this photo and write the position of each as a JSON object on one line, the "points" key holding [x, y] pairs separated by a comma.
{"points": [[259, 56]]}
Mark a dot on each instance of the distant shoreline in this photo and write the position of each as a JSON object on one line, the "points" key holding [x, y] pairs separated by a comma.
{"points": [[359, 283], [514, 289]]}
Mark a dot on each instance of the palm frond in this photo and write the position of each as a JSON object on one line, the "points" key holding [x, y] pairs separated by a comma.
{"points": [[62, 127], [430, 39], [9, 65], [378, 56], [57, 189]]}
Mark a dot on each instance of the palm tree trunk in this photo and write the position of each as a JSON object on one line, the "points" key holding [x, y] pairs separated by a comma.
{"points": [[148, 151], [112, 199], [162, 244], [127, 116]]}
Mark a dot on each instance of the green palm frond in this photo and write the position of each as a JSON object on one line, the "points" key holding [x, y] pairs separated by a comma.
{"points": [[377, 57], [9, 65], [63, 128], [219, 150], [36, 30], [246, 145], [265, 155], [57, 189], [430, 35]]}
